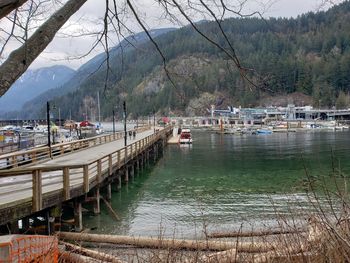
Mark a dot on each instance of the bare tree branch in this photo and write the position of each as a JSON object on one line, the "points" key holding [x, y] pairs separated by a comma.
{"points": [[20, 59]]}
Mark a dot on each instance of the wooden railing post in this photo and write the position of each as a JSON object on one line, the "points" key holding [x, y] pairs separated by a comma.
{"points": [[86, 178], [14, 161], [99, 171], [33, 157], [37, 199], [61, 149], [110, 164], [66, 187], [119, 157]]}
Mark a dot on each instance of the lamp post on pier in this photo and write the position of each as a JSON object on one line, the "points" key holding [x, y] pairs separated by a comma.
{"points": [[154, 121], [124, 115], [48, 127], [113, 112]]}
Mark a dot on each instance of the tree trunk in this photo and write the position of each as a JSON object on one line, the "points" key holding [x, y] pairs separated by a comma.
{"points": [[162, 243], [70, 257], [7, 6], [110, 209], [21, 58], [255, 233], [227, 256], [92, 253]]}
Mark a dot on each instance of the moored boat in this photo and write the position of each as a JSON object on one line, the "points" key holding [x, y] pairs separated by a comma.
{"points": [[185, 136], [264, 131]]}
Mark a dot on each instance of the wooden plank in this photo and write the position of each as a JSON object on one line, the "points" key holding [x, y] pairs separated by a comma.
{"points": [[37, 200], [66, 186], [86, 178]]}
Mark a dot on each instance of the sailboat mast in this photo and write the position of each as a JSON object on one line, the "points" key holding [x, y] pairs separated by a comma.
{"points": [[98, 105]]}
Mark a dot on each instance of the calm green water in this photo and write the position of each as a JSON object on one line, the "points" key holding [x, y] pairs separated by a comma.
{"points": [[222, 181]]}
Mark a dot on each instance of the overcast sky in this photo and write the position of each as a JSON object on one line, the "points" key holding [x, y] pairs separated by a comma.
{"points": [[67, 47]]}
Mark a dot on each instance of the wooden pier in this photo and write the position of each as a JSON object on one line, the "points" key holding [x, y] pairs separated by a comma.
{"points": [[34, 184]]}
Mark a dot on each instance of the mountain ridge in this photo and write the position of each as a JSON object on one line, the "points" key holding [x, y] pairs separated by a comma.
{"points": [[32, 108], [32, 83], [307, 55]]}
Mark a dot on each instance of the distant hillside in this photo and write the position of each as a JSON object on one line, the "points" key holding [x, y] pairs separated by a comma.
{"points": [[309, 55], [87, 71], [31, 84]]}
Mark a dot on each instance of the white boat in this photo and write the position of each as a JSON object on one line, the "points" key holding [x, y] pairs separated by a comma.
{"points": [[185, 136], [264, 131]]}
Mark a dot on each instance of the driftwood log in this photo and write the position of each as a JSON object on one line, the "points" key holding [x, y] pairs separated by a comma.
{"points": [[162, 243], [92, 253], [110, 209], [287, 251], [227, 256], [70, 257], [255, 233]]}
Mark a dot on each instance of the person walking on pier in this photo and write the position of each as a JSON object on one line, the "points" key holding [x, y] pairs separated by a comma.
{"points": [[134, 134], [130, 133]]}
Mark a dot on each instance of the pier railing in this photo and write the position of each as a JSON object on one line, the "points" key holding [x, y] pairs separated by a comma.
{"points": [[67, 181], [38, 154]]}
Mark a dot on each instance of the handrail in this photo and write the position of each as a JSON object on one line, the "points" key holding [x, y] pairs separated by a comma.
{"points": [[88, 172], [38, 154]]}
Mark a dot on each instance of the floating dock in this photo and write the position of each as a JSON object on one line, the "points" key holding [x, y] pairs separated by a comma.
{"points": [[174, 139]]}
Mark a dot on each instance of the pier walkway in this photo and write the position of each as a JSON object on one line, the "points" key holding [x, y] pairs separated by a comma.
{"points": [[37, 182]]}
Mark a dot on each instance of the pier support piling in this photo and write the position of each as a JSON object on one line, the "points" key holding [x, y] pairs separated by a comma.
{"points": [[142, 162], [132, 171], [119, 181], [126, 174], [147, 157], [138, 166], [97, 209], [14, 229], [109, 192], [78, 216]]}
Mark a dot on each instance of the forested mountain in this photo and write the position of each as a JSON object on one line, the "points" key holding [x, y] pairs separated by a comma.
{"points": [[31, 84], [308, 55], [35, 102]]}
